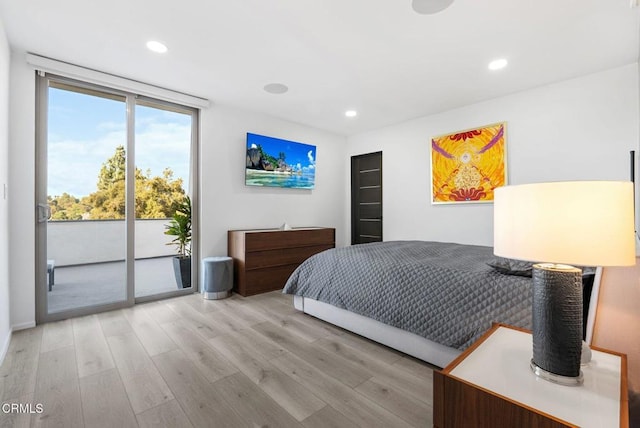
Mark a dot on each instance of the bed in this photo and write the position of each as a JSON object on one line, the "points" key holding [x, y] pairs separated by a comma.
{"points": [[430, 300]]}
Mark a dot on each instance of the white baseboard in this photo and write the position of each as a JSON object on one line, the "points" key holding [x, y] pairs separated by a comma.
{"points": [[23, 326], [5, 348]]}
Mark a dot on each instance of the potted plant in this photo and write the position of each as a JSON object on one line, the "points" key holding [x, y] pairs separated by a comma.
{"points": [[180, 227]]}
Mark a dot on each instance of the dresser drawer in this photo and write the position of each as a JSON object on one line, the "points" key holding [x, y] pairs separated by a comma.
{"points": [[267, 279], [260, 241], [282, 256]]}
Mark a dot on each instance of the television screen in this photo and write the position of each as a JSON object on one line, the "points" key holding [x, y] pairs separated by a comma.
{"points": [[279, 163]]}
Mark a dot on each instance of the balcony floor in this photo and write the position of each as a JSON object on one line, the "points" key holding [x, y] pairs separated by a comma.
{"points": [[100, 283]]}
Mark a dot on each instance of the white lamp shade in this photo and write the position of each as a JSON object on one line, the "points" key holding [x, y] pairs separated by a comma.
{"points": [[588, 223]]}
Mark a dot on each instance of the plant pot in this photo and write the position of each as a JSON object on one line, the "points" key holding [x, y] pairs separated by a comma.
{"points": [[182, 270]]}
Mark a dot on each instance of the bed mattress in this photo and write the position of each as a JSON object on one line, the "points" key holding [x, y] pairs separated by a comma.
{"points": [[444, 292]]}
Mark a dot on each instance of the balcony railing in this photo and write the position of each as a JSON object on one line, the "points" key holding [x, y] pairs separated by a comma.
{"points": [[82, 242]]}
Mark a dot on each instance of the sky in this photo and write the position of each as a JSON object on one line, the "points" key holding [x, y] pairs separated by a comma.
{"points": [[85, 130], [299, 155]]}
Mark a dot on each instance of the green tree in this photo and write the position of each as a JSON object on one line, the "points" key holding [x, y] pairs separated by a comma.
{"points": [[156, 197], [113, 170], [67, 207]]}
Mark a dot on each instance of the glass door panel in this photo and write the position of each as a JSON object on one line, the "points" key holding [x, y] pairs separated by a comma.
{"points": [[163, 135], [86, 142]]}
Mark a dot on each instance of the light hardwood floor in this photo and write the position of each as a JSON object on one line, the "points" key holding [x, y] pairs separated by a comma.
{"points": [[189, 362]]}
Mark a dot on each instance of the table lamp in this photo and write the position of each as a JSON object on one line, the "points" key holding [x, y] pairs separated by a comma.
{"points": [[582, 223]]}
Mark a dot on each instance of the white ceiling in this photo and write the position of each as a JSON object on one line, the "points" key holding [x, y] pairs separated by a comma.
{"points": [[375, 56]]}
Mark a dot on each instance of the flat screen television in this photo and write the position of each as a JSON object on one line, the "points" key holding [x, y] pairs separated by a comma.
{"points": [[279, 163]]}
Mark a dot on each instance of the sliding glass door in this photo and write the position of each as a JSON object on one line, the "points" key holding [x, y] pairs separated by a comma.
{"points": [[162, 182], [113, 169]]}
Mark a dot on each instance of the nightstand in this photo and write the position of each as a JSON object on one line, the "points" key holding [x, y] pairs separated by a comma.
{"points": [[491, 385]]}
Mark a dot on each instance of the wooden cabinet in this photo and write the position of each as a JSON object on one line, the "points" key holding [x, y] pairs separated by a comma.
{"points": [[263, 260], [491, 385]]}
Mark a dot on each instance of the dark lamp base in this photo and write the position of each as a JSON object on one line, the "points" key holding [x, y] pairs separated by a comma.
{"points": [[557, 323]]}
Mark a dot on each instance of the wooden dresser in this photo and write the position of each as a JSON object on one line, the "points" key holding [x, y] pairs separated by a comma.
{"points": [[263, 259]]}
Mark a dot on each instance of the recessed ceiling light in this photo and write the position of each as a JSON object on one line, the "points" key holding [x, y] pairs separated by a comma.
{"points": [[156, 46], [276, 88], [351, 113], [498, 64], [429, 7]]}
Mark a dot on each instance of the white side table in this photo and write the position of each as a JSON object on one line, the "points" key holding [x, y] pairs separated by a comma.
{"points": [[491, 385]]}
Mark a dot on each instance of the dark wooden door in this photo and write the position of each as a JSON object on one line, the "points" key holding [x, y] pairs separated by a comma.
{"points": [[366, 198]]}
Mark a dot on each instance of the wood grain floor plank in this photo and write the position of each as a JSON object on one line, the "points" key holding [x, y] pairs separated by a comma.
{"points": [[57, 335], [166, 415], [275, 296], [293, 397], [92, 352], [328, 417], [234, 299], [257, 344], [298, 369], [403, 379], [359, 409], [152, 337], [205, 326], [231, 302], [203, 306], [327, 329], [416, 367], [415, 412], [227, 323], [252, 404], [196, 395], [367, 361], [334, 365], [269, 305], [142, 381], [295, 327], [104, 401], [417, 370], [381, 352], [211, 363], [114, 323], [241, 311], [58, 390], [19, 369], [160, 312], [17, 419], [292, 320]]}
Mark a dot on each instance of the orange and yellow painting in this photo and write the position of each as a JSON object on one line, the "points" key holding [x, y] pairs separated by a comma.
{"points": [[467, 166]]}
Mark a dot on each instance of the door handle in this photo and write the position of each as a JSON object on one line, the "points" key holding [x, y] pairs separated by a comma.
{"points": [[44, 212]]}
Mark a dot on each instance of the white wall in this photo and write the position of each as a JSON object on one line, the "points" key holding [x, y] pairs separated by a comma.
{"points": [[226, 202], [22, 195], [5, 329], [578, 129]]}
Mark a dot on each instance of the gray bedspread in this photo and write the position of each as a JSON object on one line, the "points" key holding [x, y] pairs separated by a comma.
{"points": [[442, 291]]}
